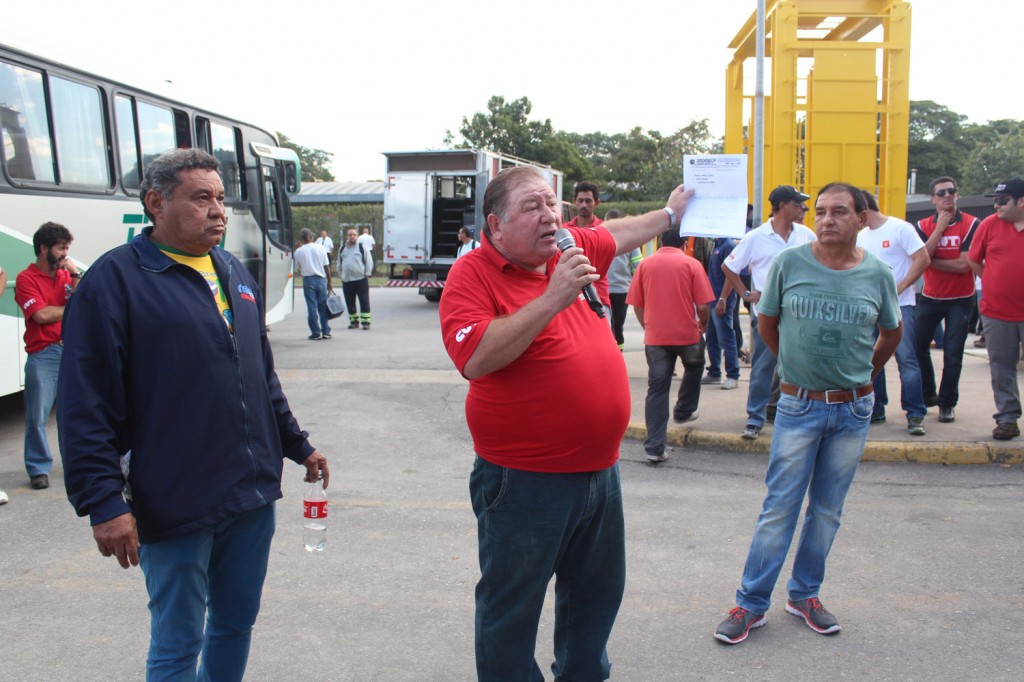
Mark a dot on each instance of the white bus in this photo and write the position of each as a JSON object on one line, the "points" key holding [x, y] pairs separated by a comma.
{"points": [[74, 149]]}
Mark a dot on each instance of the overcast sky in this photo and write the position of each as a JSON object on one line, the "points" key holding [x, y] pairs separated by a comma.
{"points": [[360, 78]]}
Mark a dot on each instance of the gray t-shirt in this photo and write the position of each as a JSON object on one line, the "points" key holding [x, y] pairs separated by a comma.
{"points": [[827, 317]]}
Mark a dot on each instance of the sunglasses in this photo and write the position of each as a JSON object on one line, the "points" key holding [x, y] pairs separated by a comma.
{"points": [[943, 192], [1003, 201]]}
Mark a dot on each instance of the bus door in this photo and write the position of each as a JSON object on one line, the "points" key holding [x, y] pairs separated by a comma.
{"points": [[277, 173]]}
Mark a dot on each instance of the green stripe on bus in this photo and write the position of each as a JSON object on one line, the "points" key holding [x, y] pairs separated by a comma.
{"points": [[133, 218]]}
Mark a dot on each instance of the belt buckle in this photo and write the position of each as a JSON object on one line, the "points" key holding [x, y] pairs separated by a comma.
{"points": [[828, 396]]}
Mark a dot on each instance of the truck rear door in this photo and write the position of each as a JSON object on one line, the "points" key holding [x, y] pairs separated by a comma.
{"points": [[405, 218]]}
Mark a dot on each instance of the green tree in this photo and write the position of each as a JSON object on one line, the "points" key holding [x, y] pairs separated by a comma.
{"points": [[315, 162], [504, 128], [997, 154], [937, 145]]}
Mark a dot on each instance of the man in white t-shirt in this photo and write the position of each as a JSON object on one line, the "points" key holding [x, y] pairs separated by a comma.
{"points": [[898, 245], [367, 240], [466, 242], [757, 250], [315, 268]]}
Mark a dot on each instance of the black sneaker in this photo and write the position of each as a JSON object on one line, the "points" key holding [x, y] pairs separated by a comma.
{"points": [[711, 379], [751, 432], [738, 625], [931, 400], [1005, 431], [315, 337], [326, 335], [878, 418], [40, 482], [815, 615], [353, 325], [656, 458], [946, 415]]}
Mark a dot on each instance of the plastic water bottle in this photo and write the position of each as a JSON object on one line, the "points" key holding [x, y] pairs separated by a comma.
{"points": [[314, 521]]}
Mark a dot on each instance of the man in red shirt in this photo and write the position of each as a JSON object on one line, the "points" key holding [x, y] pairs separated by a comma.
{"points": [[42, 290], [547, 407], [948, 295], [996, 256], [671, 296], [585, 198]]}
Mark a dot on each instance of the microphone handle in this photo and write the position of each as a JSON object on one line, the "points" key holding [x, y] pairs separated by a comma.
{"points": [[590, 295]]}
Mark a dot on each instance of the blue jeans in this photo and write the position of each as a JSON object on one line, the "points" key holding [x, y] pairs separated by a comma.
{"points": [[956, 313], [911, 395], [721, 340], [41, 371], [762, 371], [531, 526], [218, 573], [815, 450], [315, 290], [661, 360]]}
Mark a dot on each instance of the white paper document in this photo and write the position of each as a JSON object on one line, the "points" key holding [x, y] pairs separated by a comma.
{"points": [[718, 207]]}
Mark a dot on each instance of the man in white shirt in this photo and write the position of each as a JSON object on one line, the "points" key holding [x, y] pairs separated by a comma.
{"points": [[757, 250], [326, 242], [898, 245], [467, 243], [315, 268], [367, 240]]}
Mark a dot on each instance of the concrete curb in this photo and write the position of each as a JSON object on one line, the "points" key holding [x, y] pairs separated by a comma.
{"points": [[874, 451]]}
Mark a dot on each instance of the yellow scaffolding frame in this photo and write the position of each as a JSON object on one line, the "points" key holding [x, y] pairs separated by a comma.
{"points": [[837, 101]]}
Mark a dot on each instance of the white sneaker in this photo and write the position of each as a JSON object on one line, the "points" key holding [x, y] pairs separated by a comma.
{"points": [[730, 384], [3, 497]]}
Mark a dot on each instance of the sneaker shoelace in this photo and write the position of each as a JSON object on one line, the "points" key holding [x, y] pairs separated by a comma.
{"points": [[737, 614], [814, 604]]}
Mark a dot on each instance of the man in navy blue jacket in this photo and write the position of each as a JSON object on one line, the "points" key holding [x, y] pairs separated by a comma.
{"points": [[173, 425]]}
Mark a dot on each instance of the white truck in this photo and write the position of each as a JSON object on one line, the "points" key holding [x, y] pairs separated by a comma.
{"points": [[428, 196]]}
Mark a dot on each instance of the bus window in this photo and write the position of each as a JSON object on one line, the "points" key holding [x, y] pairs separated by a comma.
{"points": [[127, 147], [79, 131], [26, 136], [156, 131], [224, 148]]}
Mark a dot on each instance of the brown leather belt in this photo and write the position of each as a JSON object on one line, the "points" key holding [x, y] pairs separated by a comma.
{"points": [[831, 397]]}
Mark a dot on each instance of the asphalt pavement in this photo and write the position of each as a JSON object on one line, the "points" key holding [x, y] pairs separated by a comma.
{"points": [[926, 573]]}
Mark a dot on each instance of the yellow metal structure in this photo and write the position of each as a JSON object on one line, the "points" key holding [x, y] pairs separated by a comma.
{"points": [[837, 96]]}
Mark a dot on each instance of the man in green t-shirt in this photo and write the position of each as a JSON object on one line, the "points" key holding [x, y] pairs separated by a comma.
{"points": [[818, 311]]}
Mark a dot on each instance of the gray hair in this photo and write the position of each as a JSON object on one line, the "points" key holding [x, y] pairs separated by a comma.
{"points": [[306, 235], [500, 189], [162, 172]]}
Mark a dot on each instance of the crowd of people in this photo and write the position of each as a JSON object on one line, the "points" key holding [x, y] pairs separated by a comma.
{"points": [[171, 313]]}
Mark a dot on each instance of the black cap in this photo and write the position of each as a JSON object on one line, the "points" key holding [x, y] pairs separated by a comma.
{"points": [[1014, 187], [784, 193]]}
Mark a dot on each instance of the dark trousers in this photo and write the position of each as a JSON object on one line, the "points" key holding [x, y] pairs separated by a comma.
{"points": [[619, 309], [956, 313], [660, 362], [360, 289]]}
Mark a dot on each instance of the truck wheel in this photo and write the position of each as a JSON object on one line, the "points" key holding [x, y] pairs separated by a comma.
{"points": [[433, 295]]}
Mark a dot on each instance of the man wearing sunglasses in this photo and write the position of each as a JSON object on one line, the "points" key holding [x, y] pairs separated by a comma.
{"points": [[996, 254], [948, 295]]}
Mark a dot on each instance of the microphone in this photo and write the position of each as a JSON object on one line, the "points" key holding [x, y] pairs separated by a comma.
{"points": [[564, 240]]}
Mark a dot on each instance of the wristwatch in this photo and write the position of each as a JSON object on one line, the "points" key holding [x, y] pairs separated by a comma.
{"points": [[746, 295]]}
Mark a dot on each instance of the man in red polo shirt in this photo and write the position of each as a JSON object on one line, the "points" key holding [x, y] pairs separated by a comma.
{"points": [[585, 198], [996, 255], [42, 290], [671, 296], [948, 295], [547, 407]]}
